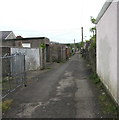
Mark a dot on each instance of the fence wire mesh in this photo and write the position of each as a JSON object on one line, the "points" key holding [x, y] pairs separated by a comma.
{"points": [[13, 73]]}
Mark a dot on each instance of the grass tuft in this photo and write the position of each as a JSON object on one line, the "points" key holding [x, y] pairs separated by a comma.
{"points": [[94, 77], [108, 105], [6, 105]]}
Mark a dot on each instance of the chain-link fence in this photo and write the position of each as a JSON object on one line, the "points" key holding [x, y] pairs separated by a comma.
{"points": [[13, 73]]}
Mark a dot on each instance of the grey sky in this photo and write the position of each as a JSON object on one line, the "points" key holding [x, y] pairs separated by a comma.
{"points": [[59, 20]]}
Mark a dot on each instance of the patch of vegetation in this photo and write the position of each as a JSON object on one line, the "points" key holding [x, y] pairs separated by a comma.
{"points": [[94, 77], [42, 45], [62, 62], [6, 105], [93, 45], [109, 107], [48, 68], [102, 97], [81, 44]]}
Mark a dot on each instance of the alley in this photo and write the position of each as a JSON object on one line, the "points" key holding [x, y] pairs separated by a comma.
{"points": [[62, 92]]}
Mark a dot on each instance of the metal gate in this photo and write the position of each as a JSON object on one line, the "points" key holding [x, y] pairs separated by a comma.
{"points": [[13, 73]]}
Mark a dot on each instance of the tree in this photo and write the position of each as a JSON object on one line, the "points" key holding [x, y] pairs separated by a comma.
{"points": [[93, 20], [93, 29]]}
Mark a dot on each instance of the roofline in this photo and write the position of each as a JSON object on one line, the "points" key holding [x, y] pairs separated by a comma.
{"points": [[103, 10], [30, 38], [9, 34]]}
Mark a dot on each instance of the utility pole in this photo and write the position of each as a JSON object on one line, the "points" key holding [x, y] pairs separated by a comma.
{"points": [[74, 41], [82, 33], [74, 46]]}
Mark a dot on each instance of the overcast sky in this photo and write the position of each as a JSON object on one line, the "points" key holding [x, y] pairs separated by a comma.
{"points": [[59, 20]]}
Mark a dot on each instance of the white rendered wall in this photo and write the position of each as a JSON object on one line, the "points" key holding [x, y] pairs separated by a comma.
{"points": [[107, 49], [118, 52]]}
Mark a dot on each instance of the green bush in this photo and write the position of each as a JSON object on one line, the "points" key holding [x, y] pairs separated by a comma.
{"points": [[81, 44], [93, 76], [93, 45], [42, 45]]}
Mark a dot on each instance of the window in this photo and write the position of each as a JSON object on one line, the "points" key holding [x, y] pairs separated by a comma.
{"points": [[26, 45]]}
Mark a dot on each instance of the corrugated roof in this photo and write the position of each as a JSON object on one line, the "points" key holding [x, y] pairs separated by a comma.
{"points": [[103, 10], [4, 34]]}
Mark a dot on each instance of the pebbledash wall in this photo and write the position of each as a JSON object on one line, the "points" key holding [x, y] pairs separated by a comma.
{"points": [[107, 36]]}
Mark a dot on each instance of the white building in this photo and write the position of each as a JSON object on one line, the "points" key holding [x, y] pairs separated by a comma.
{"points": [[107, 42]]}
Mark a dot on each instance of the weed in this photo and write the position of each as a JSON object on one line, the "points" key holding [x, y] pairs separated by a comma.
{"points": [[6, 104], [102, 98], [96, 80], [62, 62], [42, 46], [93, 45], [112, 108], [108, 105], [94, 77], [48, 68]]}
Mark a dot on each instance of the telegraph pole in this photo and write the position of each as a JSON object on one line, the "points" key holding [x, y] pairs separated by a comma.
{"points": [[82, 33], [74, 41], [74, 46]]}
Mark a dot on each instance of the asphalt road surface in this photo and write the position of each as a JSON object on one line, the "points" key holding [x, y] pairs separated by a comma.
{"points": [[62, 92]]}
